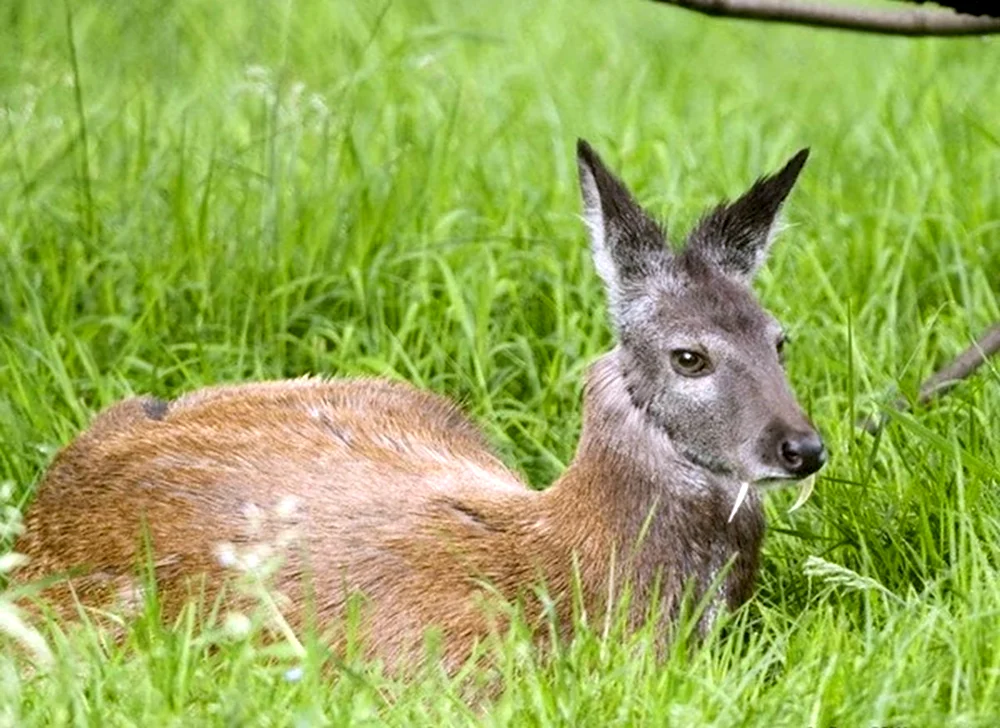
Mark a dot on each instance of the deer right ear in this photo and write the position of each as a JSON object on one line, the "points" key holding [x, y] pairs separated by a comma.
{"points": [[735, 237], [627, 244]]}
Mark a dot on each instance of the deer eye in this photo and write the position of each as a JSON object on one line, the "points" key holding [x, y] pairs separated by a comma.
{"points": [[689, 363]]}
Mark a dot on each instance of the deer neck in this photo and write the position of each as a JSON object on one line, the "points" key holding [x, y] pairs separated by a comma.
{"points": [[666, 519]]}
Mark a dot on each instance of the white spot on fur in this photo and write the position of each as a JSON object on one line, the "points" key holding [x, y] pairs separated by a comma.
{"points": [[130, 597], [225, 554], [288, 507]]}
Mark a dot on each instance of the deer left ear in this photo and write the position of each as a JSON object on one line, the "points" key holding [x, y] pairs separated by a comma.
{"points": [[735, 237], [629, 248]]}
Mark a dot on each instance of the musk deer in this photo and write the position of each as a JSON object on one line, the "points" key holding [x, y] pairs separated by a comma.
{"points": [[391, 492]]}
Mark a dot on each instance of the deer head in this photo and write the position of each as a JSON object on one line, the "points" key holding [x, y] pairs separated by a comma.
{"points": [[699, 356]]}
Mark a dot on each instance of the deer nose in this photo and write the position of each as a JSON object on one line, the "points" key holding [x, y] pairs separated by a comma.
{"points": [[802, 454]]}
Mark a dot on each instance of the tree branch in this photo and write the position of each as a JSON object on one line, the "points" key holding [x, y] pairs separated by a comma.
{"points": [[941, 381], [887, 22], [971, 7]]}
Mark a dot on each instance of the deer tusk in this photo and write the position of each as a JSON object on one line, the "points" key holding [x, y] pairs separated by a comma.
{"points": [[740, 497], [804, 492]]}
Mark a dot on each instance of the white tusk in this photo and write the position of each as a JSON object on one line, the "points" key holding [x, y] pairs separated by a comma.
{"points": [[740, 497], [807, 488]]}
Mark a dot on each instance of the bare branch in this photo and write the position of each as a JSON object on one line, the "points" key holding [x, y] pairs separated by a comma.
{"points": [[941, 381], [887, 22], [964, 364], [972, 7]]}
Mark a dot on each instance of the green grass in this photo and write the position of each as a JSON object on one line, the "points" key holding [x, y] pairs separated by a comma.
{"points": [[200, 192]]}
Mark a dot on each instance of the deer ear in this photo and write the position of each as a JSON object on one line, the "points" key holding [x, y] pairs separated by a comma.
{"points": [[736, 236], [627, 244]]}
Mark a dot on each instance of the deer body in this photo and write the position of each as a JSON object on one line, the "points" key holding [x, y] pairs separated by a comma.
{"points": [[376, 488]]}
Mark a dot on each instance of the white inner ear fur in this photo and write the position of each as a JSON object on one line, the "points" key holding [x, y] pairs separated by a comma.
{"points": [[777, 227], [593, 217]]}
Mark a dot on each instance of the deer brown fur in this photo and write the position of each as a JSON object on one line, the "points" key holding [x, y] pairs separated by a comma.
{"points": [[376, 488]]}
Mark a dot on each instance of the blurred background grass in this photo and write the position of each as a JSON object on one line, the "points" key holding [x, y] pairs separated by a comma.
{"points": [[198, 192]]}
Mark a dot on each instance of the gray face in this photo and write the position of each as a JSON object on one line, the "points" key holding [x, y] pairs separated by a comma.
{"points": [[699, 355]]}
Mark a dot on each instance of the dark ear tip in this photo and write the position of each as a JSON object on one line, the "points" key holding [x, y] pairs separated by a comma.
{"points": [[798, 161], [586, 153], [786, 177]]}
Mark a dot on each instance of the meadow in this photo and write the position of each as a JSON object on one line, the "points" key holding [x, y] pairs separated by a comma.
{"points": [[201, 192]]}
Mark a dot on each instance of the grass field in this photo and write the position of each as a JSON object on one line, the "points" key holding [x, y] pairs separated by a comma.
{"points": [[200, 192]]}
